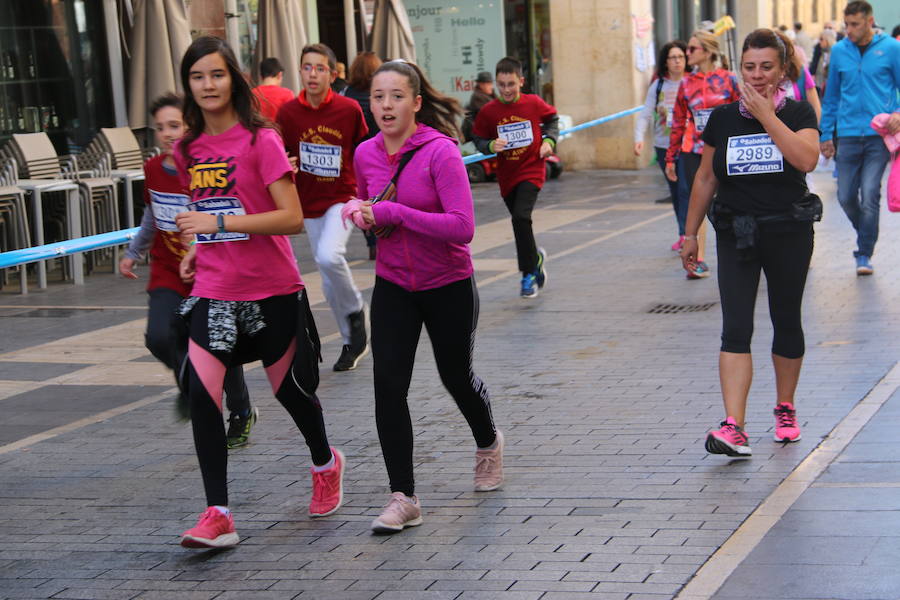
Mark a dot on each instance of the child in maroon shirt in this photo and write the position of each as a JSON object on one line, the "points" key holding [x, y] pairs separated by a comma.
{"points": [[522, 130], [164, 197]]}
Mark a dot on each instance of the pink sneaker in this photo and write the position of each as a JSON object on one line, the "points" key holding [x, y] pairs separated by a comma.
{"points": [[729, 439], [786, 428], [213, 530], [398, 513], [489, 467], [328, 487], [676, 247]]}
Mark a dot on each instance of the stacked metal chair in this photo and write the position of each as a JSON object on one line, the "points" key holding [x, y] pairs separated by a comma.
{"points": [[127, 162], [14, 231]]}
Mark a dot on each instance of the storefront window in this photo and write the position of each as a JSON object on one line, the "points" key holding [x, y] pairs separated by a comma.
{"points": [[528, 39], [46, 46]]}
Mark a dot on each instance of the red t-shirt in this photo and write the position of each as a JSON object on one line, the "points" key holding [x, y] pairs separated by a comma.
{"points": [[323, 139], [166, 252], [519, 164], [271, 98]]}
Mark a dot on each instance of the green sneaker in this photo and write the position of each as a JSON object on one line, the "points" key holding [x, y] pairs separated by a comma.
{"points": [[239, 428]]}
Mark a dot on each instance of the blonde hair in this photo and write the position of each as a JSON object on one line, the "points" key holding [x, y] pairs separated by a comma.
{"points": [[710, 43]]}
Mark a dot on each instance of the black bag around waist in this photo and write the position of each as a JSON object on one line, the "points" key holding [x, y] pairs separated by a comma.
{"points": [[746, 227]]}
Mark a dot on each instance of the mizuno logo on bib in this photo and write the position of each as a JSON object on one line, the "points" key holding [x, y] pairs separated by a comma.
{"points": [[753, 154]]}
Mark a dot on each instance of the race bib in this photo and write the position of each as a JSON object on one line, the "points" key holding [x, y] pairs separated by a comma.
{"points": [[701, 116], [321, 160], [517, 135], [165, 207], [753, 154], [219, 206]]}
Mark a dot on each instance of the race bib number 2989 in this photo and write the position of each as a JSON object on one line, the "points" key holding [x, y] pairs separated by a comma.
{"points": [[753, 154]]}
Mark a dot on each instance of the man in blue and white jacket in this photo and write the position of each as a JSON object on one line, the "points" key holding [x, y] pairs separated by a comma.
{"points": [[863, 81]]}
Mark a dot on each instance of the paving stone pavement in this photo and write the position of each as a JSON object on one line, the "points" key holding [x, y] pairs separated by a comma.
{"points": [[609, 492]]}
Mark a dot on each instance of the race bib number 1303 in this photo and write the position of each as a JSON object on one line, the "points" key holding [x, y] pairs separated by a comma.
{"points": [[321, 160], [753, 154]]}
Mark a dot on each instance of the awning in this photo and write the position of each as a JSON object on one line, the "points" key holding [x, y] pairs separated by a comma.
{"points": [[281, 33], [158, 40], [391, 33]]}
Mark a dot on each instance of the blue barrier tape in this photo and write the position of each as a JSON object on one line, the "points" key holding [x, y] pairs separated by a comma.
{"points": [[117, 238], [473, 158], [58, 249]]}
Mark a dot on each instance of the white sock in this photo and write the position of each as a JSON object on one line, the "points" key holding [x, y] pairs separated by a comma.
{"points": [[223, 509], [326, 466]]}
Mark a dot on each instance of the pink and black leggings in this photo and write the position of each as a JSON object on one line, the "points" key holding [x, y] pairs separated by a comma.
{"points": [[275, 345]]}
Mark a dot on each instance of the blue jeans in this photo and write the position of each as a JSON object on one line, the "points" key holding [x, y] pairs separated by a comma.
{"points": [[860, 164], [678, 189]]}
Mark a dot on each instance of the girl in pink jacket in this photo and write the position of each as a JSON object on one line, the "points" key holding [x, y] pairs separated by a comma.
{"points": [[423, 275]]}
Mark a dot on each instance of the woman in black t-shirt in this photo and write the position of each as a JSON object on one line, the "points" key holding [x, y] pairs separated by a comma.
{"points": [[757, 152]]}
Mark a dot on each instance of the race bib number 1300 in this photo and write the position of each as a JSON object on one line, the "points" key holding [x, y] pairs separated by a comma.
{"points": [[517, 134], [753, 154]]}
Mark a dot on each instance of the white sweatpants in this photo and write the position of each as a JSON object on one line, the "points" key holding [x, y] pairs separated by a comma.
{"points": [[328, 240]]}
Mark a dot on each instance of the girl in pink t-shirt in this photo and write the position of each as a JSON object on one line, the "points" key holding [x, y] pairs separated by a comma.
{"points": [[248, 301]]}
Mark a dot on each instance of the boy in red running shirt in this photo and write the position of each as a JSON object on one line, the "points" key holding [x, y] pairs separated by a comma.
{"points": [[322, 129], [522, 130], [270, 93]]}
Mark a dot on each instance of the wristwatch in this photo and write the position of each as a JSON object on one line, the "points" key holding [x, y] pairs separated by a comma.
{"points": [[220, 222]]}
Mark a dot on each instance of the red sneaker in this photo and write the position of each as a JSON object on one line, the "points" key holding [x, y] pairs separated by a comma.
{"points": [[328, 487], [213, 530]]}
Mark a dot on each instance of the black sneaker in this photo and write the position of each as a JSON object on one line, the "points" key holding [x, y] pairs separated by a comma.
{"points": [[358, 346], [239, 428], [540, 274]]}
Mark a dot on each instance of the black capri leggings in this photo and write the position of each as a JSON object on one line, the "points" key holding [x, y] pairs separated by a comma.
{"points": [[449, 314], [783, 252]]}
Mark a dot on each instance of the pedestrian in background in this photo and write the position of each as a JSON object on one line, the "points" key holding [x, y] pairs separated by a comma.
{"points": [[248, 302], [339, 85], [362, 69], [659, 107], [270, 93], [481, 95], [803, 41], [822, 58], [709, 86], [756, 155], [798, 82], [863, 81], [424, 275]]}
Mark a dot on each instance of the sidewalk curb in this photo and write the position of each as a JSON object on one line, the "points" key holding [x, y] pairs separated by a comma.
{"points": [[713, 574]]}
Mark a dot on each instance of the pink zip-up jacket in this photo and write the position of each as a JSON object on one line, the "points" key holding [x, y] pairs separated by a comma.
{"points": [[432, 211]]}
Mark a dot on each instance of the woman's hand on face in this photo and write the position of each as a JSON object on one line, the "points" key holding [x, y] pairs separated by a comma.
{"points": [[759, 106], [194, 222]]}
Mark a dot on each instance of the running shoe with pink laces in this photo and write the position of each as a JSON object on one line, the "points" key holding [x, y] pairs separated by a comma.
{"points": [[786, 427], [400, 512], [728, 439], [676, 247], [328, 487], [213, 530], [489, 466]]}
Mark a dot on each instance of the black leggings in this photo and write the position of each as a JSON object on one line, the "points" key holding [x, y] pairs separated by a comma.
{"points": [[783, 252], [450, 314], [520, 203], [275, 345], [158, 339]]}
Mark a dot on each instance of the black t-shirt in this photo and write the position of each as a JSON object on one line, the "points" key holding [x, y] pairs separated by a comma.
{"points": [[754, 178]]}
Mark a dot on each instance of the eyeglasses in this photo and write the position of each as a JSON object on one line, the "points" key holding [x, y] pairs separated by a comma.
{"points": [[317, 68], [676, 57], [691, 49]]}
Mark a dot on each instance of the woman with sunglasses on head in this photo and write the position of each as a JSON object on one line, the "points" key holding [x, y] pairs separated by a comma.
{"points": [[424, 275], [756, 155], [248, 301], [658, 107], [709, 86]]}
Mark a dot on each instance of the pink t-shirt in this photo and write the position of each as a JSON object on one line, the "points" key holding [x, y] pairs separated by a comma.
{"points": [[230, 170]]}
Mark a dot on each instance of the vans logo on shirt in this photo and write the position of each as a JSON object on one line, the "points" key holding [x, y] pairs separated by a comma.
{"points": [[211, 176]]}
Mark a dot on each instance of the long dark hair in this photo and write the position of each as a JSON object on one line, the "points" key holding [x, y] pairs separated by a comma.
{"points": [[244, 102], [438, 111], [662, 62], [768, 38]]}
